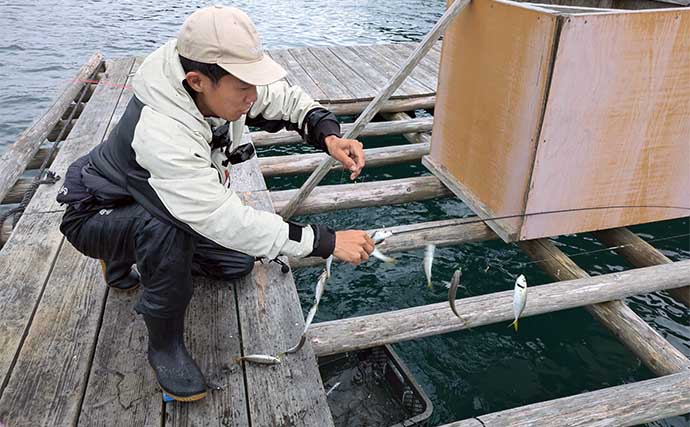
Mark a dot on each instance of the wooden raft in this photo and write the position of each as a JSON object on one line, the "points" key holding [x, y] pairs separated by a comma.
{"points": [[74, 353]]}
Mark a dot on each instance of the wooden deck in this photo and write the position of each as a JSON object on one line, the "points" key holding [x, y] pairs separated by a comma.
{"points": [[72, 352]]}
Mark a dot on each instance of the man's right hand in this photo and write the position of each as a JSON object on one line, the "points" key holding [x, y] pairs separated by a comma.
{"points": [[353, 246]]}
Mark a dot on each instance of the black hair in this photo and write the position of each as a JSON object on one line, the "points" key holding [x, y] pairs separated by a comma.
{"points": [[212, 71]]}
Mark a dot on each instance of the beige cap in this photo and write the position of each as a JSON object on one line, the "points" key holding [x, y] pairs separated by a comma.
{"points": [[227, 37]]}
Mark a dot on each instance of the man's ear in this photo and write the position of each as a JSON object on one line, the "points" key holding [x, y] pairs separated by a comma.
{"points": [[196, 81]]}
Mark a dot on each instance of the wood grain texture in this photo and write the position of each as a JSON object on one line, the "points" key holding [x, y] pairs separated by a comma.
{"points": [[15, 158], [50, 372], [640, 254], [326, 198], [633, 332], [624, 405], [91, 128], [356, 333], [322, 76], [492, 84], [375, 157], [390, 106], [38, 239], [297, 76], [615, 141], [394, 127], [355, 84]]}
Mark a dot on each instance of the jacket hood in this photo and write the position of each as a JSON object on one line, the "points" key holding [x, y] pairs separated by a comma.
{"points": [[158, 84]]}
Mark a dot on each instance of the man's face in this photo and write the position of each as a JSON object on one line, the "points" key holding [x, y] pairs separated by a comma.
{"points": [[228, 99]]}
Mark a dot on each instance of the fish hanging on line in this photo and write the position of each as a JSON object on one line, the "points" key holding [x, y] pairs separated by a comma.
{"points": [[428, 262], [378, 237], [329, 262], [318, 293], [262, 359], [519, 299], [453, 289]]}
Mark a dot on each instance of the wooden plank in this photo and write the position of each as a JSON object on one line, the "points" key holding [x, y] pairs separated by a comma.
{"points": [[390, 106], [329, 84], [355, 84], [417, 236], [370, 57], [50, 373], [297, 75], [503, 227], [375, 157], [487, 120], [624, 405], [633, 150], [356, 333], [37, 239], [360, 66], [87, 133], [213, 339], [398, 126], [413, 138], [246, 176], [121, 384], [15, 158], [326, 198], [643, 341], [398, 53], [640, 254], [428, 66], [271, 321]]}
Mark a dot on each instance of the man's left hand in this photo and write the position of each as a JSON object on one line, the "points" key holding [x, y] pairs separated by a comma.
{"points": [[349, 152]]}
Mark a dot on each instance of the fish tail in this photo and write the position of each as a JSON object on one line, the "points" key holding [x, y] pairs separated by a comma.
{"points": [[514, 325], [238, 359], [428, 284]]}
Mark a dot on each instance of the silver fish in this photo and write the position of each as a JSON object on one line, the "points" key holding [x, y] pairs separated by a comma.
{"points": [[330, 390], [381, 235], [263, 359], [519, 299], [385, 258], [298, 346], [329, 262], [428, 261], [320, 287], [318, 293], [454, 283]]}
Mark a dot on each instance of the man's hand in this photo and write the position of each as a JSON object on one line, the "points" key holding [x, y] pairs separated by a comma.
{"points": [[349, 152], [353, 246]]}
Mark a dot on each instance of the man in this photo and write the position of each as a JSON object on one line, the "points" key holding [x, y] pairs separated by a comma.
{"points": [[155, 194]]}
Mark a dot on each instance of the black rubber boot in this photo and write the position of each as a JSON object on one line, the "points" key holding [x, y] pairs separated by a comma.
{"points": [[177, 373], [119, 275]]}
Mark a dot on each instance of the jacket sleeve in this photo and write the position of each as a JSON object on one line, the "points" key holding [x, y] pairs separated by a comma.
{"points": [[180, 181], [280, 105]]}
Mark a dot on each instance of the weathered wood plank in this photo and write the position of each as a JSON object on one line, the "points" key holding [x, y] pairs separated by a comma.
{"points": [[428, 67], [326, 198], [297, 75], [246, 176], [355, 84], [322, 76], [643, 341], [271, 321], [360, 66], [89, 131], [418, 137], [394, 127], [26, 261], [121, 386], [390, 106], [640, 254], [375, 157], [624, 405], [416, 236], [40, 156], [370, 58], [401, 325], [15, 158], [419, 75], [50, 373], [213, 338]]}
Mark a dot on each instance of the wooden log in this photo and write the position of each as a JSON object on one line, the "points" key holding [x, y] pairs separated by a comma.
{"points": [[357, 333], [624, 405], [6, 232], [375, 157], [390, 106], [60, 131], [373, 108], [40, 156], [14, 160], [17, 191], [413, 138], [640, 254], [415, 236], [399, 126], [633, 332], [328, 198]]}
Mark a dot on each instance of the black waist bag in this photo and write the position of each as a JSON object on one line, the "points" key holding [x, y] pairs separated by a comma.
{"points": [[85, 189]]}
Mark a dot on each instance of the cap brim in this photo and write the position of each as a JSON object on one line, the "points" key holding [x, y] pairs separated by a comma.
{"points": [[262, 72]]}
